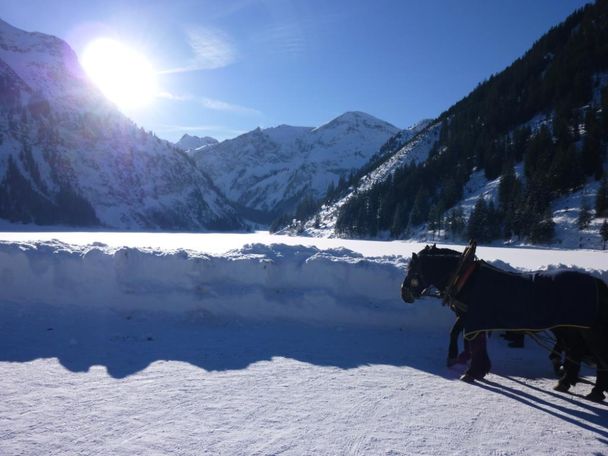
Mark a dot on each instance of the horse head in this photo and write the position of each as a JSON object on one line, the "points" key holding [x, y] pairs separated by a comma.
{"points": [[431, 266]]}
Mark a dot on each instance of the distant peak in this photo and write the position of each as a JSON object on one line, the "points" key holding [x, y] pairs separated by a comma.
{"points": [[358, 118], [188, 142], [355, 115]]}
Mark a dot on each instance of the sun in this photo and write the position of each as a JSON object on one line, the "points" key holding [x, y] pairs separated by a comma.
{"points": [[124, 75]]}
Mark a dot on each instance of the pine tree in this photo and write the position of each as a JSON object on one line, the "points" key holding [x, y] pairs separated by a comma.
{"points": [[420, 210], [604, 233], [483, 225], [601, 199], [400, 218], [565, 173], [543, 230], [584, 216], [591, 156]]}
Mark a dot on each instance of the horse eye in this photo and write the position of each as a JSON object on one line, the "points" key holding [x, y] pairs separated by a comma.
{"points": [[414, 282]]}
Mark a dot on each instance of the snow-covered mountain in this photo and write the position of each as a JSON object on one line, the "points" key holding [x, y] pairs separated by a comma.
{"points": [[190, 142], [271, 170], [67, 156], [411, 145]]}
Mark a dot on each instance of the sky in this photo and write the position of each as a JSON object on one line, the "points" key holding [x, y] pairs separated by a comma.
{"points": [[226, 67]]}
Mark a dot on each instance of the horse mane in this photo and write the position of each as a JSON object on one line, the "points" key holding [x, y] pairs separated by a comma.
{"points": [[434, 250]]}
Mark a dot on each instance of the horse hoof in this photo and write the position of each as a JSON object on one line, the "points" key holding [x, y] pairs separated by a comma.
{"points": [[468, 378], [452, 362], [558, 370], [561, 387], [595, 396]]}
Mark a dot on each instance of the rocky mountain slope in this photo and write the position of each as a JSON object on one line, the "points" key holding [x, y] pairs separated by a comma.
{"points": [[269, 171], [190, 142], [67, 156]]}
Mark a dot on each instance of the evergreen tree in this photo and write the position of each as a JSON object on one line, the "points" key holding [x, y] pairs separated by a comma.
{"points": [[604, 233], [400, 219], [543, 230], [565, 173], [456, 222], [601, 199], [435, 219], [584, 216], [484, 222], [420, 209], [591, 156]]}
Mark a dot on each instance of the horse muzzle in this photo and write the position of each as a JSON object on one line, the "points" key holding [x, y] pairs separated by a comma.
{"points": [[407, 295]]}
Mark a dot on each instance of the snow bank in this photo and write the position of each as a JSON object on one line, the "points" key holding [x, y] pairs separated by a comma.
{"points": [[257, 282]]}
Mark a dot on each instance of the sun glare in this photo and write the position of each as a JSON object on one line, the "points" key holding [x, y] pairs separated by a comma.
{"points": [[124, 76]]}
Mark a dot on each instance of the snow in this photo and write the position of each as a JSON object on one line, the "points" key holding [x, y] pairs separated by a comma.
{"points": [[416, 149], [188, 142], [141, 343], [131, 178], [565, 210], [271, 169]]}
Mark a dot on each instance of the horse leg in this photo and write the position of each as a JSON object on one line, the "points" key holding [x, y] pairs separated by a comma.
{"points": [[453, 357], [556, 358], [597, 344], [574, 346], [480, 361]]}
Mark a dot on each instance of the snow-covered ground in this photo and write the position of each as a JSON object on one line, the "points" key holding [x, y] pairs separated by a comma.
{"points": [[188, 344]]}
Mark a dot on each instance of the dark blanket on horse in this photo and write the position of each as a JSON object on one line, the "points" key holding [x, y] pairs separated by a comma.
{"points": [[497, 299]]}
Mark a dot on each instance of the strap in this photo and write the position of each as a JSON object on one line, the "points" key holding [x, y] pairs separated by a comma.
{"points": [[465, 268]]}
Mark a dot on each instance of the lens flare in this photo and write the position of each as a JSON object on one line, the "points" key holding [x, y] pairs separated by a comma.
{"points": [[124, 76]]}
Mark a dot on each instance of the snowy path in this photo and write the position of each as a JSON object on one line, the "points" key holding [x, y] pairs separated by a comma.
{"points": [[98, 384]]}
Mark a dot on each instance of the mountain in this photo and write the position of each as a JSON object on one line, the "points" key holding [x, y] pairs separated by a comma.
{"points": [[526, 144], [67, 156], [188, 142], [268, 172]]}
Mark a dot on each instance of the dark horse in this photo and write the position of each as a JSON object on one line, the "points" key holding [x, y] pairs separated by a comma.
{"points": [[574, 305]]}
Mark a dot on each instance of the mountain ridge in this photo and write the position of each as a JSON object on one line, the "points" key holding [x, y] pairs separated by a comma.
{"points": [[271, 170], [70, 157]]}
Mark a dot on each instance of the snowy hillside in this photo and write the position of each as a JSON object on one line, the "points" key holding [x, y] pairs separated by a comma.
{"points": [[271, 170], [415, 149], [69, 157], [266, 349], [189, 142], [565, 212]]}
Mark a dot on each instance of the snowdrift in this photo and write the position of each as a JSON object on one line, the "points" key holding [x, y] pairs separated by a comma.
{"points": [[258, 282]]}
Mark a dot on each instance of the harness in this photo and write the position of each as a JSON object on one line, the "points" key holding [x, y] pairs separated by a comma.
{"points": [[466, 266]]}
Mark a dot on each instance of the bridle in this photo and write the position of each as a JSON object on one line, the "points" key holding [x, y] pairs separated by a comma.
{"points": [[416, 281]]}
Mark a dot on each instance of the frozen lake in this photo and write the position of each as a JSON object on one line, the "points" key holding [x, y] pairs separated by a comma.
{"points": [[217, 243]]}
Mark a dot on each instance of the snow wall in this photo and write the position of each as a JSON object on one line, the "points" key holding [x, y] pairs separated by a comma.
{"points": [[259, 282]]}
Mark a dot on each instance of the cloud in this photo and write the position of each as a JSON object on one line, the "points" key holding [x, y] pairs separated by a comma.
{"points": [[283, 39], [211, 49], [210, 103]]}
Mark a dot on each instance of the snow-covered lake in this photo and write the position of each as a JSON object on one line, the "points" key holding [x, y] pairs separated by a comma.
{"points": [[188, 344], [218, 243]]}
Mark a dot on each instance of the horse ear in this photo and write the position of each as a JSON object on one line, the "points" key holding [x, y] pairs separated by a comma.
{"points": [[414, 256], [434, 246]]}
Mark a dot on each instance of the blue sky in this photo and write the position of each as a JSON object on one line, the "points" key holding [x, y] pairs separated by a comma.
{"points": [[227, 67]]}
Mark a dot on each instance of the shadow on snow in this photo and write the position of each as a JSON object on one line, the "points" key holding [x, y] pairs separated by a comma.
{"points": [[128, 343]]}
